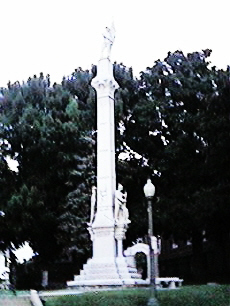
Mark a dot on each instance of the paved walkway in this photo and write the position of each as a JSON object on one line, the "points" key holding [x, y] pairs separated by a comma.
{"points": [[14, 301]]}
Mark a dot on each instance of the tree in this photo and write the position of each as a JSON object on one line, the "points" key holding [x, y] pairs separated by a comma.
{"points": [[180, 105], [43, 128], [173, 125]]}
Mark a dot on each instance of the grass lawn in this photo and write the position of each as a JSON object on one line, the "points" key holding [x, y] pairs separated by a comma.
{"points": [[10, 293], [186, 296]]}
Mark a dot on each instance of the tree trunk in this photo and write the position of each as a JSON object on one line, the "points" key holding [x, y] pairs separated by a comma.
{"points": [[221, 253], [197, 267]]}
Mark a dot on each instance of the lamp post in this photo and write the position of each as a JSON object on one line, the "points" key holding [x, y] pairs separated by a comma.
{"points": [[2, 214], [149, 191]]}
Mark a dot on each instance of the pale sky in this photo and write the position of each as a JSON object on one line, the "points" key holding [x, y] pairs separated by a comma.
{"points": [[57, 36], [24, 253]]}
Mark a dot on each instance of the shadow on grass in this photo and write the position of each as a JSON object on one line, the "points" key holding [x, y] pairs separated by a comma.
{"points": [[186, 296]]}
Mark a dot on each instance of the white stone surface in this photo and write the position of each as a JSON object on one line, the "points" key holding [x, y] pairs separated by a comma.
{"points": [[107, 266], [138, 248], [130, 253], [170, 282], [35, 300], [4, 269], [143, 248], [109, 37]]}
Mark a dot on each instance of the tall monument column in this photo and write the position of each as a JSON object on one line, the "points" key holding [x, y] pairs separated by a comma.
{"points": [[104, 247], [103, 226], [106, 267]]}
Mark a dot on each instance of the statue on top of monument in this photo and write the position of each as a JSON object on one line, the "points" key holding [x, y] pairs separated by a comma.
{"points": [[93, 204], [109, 37], [121, 213]]}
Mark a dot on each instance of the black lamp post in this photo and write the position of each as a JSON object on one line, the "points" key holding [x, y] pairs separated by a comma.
{"points": [[149, 191]]}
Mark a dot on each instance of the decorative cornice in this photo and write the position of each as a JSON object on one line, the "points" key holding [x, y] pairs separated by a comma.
{"points": [[105, 86]]}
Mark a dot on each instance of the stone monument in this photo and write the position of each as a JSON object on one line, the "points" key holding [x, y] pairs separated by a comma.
{"points": [[109, 214], [4, 269]]}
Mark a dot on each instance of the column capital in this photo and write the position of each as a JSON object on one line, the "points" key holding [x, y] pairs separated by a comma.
{"points": [[104, 82], [120, 232], [105, 87]]}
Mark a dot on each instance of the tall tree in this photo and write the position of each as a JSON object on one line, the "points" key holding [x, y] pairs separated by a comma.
{"points": [[44, 130], [180, 106]]}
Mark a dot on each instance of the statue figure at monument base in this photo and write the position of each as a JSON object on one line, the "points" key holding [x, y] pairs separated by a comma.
{"points": [[121, 213]]}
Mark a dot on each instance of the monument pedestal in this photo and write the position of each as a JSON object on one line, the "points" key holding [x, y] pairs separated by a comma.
{"points": [[99, 273], [105, 268]]}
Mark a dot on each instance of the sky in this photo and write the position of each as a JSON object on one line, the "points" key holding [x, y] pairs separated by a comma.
{"points": [[24, 253], [56, 36]]}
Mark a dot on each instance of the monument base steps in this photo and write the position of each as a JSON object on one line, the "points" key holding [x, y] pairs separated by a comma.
{"points": [[107, 273]]}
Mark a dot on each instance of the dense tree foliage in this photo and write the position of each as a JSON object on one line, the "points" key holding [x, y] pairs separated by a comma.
{"points": [[44, 130], [173, 124], [179, 122]]}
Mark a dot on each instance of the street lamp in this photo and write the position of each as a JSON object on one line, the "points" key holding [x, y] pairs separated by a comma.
{"points": [[2, 214], [149, 191]]}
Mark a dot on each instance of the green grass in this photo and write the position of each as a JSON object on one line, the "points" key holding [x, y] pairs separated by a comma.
{"points": [[186, 296], [10, 293]]}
